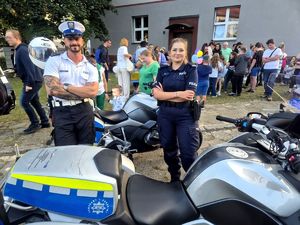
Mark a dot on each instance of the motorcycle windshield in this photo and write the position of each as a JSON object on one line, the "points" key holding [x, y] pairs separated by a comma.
{"points": [[40, 53], [294, 101]]}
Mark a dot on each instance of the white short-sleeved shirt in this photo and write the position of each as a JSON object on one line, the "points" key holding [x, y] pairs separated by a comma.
{"points": [[272, 64], [121, 59], [62, 67]]}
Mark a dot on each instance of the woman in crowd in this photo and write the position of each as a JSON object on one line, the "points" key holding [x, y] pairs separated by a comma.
{"points": [[230, 70], [160, 58], [241, 64], [148, 70], [175, 91], [122, 60], [217, 49], [216, 67], [256, 65]]}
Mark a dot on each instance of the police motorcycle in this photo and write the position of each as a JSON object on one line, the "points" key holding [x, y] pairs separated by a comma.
{"points": [[7, 94], [132, 129], [230, 183]]}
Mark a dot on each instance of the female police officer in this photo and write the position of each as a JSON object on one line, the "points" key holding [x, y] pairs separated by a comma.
{"points": [[177, 128]]}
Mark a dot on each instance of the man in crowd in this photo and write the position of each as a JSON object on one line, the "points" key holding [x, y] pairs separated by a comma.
{"points": [[102, 56], [226, 51], [271, 58], [32, 78]]}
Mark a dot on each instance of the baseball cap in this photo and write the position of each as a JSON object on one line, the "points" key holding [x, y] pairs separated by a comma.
{"points": [[71, 28]]}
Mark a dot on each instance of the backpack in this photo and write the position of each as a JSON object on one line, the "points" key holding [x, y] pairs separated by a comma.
{"points": [[7, 97]]}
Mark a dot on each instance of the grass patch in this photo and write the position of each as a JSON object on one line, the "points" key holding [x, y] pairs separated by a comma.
{"points": [[247, 96]]}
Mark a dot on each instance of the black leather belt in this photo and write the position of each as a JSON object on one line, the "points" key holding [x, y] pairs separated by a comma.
{"points": [[175, 104]]}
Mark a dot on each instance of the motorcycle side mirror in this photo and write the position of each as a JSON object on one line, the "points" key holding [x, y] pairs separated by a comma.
{"points": [[256, 115]]}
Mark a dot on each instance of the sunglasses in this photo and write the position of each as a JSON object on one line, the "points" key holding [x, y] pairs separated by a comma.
{"points": [[71, 38]]}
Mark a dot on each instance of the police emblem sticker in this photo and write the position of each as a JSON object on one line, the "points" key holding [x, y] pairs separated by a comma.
{"points": [[98, 206], [239, 153]]}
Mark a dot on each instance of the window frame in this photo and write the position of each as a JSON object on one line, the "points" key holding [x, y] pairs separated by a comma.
{"points": [[142, 29], [227, 22]]}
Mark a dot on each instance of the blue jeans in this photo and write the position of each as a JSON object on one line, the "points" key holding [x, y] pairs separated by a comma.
{"points": [[212, 86], [269, 80], [30, 100]]}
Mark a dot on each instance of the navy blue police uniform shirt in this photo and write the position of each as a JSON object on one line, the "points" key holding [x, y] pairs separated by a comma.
{"points": [[184, 78]]}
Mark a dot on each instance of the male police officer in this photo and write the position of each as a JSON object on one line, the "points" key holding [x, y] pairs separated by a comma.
{"points": [[71, 80]]}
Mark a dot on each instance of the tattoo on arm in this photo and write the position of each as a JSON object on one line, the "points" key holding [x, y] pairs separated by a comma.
{"points": [[56, 89]]}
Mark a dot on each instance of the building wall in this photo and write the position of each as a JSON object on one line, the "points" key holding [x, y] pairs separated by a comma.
{"points": [[259, 21]]}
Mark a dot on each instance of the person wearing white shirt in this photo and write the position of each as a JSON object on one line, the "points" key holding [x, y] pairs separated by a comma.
{"points": [[122, 74], [71, 79], [270, 59]]}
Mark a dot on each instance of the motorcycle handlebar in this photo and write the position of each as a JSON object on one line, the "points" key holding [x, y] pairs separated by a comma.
{"points": [[226, 119]]}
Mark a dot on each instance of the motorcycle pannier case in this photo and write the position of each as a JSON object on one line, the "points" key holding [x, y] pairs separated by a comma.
{"points": [[67, 183]]}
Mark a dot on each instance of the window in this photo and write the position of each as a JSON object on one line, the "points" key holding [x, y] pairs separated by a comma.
{"points": [[140, 29], [226, 23]]}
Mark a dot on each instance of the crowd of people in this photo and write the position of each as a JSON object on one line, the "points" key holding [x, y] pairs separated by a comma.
{"points": [[242, 67]]}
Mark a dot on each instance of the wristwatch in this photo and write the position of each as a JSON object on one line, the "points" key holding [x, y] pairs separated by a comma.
{"points": [[66, 85]]}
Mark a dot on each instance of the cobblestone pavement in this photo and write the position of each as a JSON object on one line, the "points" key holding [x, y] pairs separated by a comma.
{"points": [[151, 163]]}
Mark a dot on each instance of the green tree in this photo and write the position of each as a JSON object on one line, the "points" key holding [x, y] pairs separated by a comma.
{"points": [[42, 17]]}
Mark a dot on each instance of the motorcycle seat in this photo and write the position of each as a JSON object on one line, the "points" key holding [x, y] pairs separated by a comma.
{"points": [[112, 117], [159, 203], [109, 163]]}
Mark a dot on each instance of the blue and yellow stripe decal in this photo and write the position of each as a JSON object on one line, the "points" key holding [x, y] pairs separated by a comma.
{"points": [[74, 197], [65, 182]]}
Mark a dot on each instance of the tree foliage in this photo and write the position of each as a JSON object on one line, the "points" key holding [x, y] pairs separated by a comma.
{"points": [[42, 17]]}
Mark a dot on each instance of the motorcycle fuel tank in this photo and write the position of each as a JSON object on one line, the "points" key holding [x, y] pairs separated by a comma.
{"points": [[243, 174], [64, 180]]}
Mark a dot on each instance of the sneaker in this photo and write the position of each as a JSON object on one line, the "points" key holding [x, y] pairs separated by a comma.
{"points": [[45, 125], [232, 94], [269, 98], [32, 128], [250, 90], [264, 96], [218, 93]]}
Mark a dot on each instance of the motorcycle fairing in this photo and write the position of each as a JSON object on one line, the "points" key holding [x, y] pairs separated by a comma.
{"points": [[47, 179], [242, 177], [221, 152]]}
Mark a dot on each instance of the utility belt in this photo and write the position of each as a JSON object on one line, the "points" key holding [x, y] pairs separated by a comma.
{"points": [[194, 106], [59, 103], [180, 105]]}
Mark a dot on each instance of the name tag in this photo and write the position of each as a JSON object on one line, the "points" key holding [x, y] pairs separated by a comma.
{"points": [[63, 71]]}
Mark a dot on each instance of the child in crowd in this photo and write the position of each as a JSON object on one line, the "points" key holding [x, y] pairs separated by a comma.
{"points": [[216, 67], [118, 100], [203, 71], [221, 75], [102, 87]]}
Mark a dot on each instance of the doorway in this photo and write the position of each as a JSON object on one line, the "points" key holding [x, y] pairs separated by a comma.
{"points": [[184, 27]]}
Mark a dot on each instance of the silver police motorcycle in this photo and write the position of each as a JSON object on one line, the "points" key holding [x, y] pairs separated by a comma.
{"points": [[228, 184]]}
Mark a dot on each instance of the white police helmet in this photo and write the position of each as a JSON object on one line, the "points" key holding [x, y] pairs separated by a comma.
{"points": [[40, 49]]}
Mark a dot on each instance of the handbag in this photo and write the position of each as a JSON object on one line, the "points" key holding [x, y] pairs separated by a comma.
{"points": [[129, 65]]}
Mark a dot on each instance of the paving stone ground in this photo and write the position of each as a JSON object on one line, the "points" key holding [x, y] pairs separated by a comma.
{"points": [[151, 163]]}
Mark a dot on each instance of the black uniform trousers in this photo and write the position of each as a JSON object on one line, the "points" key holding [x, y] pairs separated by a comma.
{"points": [[74, 125], [178, 131]]}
